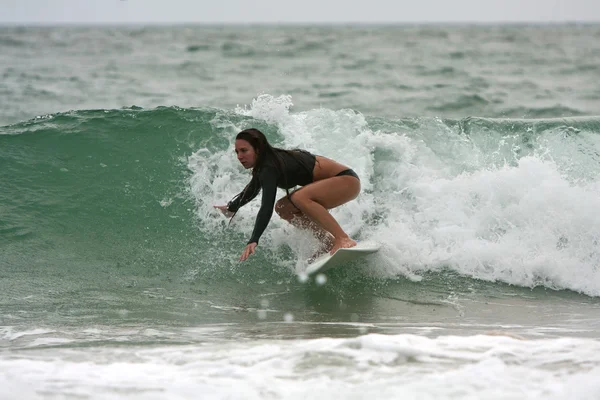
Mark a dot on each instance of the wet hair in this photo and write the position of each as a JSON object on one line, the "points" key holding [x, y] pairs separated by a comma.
{"points": [[265, 151]]}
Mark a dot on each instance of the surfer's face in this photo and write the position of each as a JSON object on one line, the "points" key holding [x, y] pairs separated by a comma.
{"points": [[245, 153]]}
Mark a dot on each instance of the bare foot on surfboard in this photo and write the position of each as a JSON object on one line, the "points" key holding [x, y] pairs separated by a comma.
{"points": [[343, 243]]}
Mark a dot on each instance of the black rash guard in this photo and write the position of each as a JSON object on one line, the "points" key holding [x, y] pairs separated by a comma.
{"points": [[298, 171]]}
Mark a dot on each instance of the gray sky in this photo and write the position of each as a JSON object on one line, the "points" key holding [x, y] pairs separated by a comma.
{"points": [[280, 11]]}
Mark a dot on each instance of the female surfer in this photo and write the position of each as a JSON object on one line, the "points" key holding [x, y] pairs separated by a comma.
{"points": [[326, 184]]}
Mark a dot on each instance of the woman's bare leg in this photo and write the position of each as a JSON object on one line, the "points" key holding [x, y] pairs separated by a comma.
{"points": [[288, 211], [314, 201]]}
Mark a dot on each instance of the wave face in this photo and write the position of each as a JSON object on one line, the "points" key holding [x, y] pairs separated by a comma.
{"points": [[129, 194]]}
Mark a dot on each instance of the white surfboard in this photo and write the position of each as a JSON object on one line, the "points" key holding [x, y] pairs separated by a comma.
{"points": [[341, 256]]}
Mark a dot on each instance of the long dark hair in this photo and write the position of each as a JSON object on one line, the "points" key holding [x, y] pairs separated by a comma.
{"points": [[262, 148], [265, 151]]}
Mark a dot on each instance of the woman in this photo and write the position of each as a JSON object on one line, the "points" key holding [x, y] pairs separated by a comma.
{"points": [[325, 184]]}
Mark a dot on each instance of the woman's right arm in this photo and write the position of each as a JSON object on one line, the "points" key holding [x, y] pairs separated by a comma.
{"points": [[249, 193]]}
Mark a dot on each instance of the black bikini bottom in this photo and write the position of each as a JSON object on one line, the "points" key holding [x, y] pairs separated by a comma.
{"points": [[348, 172], [345, 172]]}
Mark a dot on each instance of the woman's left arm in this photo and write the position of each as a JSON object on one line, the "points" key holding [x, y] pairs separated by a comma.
{"points": [[268, 181]]}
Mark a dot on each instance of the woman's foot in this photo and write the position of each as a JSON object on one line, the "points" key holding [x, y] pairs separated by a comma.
{"points": [[343, 243]]}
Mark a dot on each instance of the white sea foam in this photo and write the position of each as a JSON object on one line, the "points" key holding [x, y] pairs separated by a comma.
{"points": [[380, 366]]}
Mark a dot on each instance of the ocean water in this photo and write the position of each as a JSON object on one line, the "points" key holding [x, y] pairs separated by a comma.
{"points": [[478, 148]]}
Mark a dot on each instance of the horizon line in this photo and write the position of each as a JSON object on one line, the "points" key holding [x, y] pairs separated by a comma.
{"points": [[305, 23]]}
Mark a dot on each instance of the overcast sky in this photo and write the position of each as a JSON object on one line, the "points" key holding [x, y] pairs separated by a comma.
{"points": [[281, 11]]}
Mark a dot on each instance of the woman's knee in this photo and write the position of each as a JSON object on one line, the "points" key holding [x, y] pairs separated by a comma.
{"points": [[285, 209], [280, 206]]}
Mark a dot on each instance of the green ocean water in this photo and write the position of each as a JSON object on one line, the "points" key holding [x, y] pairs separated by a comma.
{"points": [[478, 148]]}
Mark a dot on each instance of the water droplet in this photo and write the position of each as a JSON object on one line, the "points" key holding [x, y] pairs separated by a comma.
{"points": [[321, 279]]}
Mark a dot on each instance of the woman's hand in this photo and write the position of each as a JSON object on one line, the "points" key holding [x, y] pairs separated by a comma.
{"points": [[248, 251], [224, 210]]}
